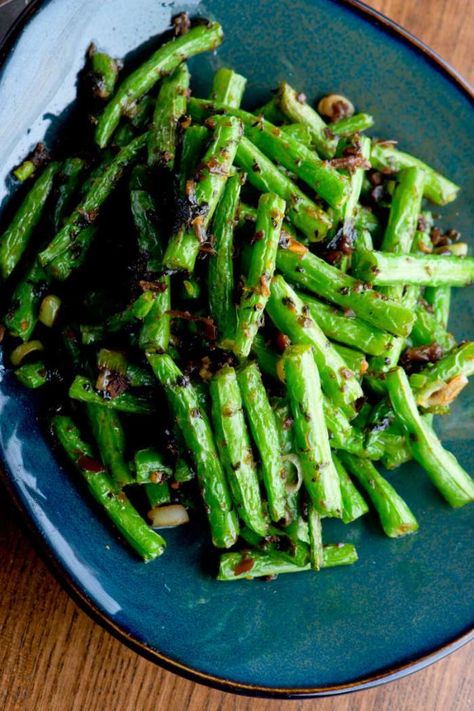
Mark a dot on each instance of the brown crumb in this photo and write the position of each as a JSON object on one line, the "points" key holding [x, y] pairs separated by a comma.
{"points": [[181, 24]]}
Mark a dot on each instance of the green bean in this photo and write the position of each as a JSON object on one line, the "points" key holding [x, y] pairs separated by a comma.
{"points": [[110, 438], [311, 435], [355, 360], [284, 424], [25, 170], [437, 188], [345, 327], [351, 124], [281, 543], [353, 503], [265, 434], [298, 132], [293, 105], [155, 332], [220, 278], [149, 467], [194, 425], [104, 73], [158, 494], [395, 516], [290, 316], [385, 269], [349, 210], [164, 61], [146, 221], [32, 375], [22, 315], [439, 298], [305, 269], [427, 329], [17, 236], [170, 107], [342, 435], [271, 112], [195, 139], [70, 175], [146, 542], [62, 266], [183, 248], [82, 389], [235, 450], [445, 472], [88, 209], [312, 220], [256, 292], [284, 150], [228, 87], [136, 311], [366, 220], [256, 564]]}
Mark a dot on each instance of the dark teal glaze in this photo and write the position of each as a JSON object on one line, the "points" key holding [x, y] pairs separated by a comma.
{"points": [[306, 633]]}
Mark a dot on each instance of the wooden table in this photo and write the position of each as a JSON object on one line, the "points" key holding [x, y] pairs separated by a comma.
{"points": [[54, 658]]}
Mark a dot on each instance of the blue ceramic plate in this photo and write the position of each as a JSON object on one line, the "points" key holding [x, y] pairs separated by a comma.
{"points": [[407, 602]]}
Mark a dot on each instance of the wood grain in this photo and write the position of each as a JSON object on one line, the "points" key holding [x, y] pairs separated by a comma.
{"points": [[54, 658]]}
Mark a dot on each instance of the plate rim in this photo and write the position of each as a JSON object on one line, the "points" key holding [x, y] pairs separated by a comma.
{"points": [[87, 605]]}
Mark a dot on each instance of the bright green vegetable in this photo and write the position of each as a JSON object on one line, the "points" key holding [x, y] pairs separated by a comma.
{"points": [[147, 543], [265, 434], [439, 298], [170, 107], [311, 435], [16, 237], [292, 317], [32, 375], [256, 291], [22, 315], [193, 148], [395, 516], [427, 329], [220, 278], [312, 220], [164, 61], [196, 430], [204, 194], [293, 104], [149, 467], [301, 267], [228, 87], [438, 189], [445, 472], [385, 269], [70, 175], [345, 327], [256, 564], [110, 438], [353, 503], [235, 450], [88, 209], [351, 124], [82, 389], [281, 147], [104, 73]]}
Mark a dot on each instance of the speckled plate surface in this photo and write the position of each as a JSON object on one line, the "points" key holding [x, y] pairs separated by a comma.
{"points": [[406, 603]]}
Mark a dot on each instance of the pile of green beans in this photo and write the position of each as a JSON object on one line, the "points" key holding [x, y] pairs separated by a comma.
{"points": [[235, 314]]}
